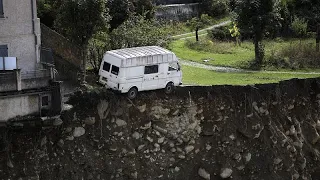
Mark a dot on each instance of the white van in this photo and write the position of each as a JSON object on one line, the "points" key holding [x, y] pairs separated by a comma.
{"points": [[140, 69]]}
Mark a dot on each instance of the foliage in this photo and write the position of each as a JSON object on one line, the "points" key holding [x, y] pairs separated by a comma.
{"points": [[295, 56], [119, 11], [47, 11], [299, 27], [98, 45], [144, 8], [196, 23], [80, 20], [215, 8], [208, 46], [138, 31], [221, 33], [255, 16]]}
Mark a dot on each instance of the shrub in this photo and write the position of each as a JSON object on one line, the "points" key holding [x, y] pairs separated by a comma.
{"points": [[215, 8], [209, 46], [299, 27], [221, 33], [295, 56]]}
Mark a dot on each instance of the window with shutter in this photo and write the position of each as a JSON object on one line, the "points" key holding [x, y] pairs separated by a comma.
{"points": [[1, 9], [3, 50]]}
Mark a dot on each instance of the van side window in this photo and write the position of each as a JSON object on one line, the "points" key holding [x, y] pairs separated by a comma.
{"points": [[151, 69], [106, 66], [115, 70], [173, 66]]}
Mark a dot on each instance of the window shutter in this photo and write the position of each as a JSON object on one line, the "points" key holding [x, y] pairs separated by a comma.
{"points": [[1, 9], [3, 50]]}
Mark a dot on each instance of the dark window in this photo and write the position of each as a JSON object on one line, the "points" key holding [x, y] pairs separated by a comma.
{"points": [[3, 50], [106, 66], [1, 9], [151, 69], [115, 70], [45, 100]]}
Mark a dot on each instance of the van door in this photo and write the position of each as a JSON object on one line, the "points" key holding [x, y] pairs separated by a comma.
{"points": [[174, 73], [151, 77]]}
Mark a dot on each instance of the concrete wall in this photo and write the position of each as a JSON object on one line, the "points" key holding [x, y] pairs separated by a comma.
{"points": [[17, 31], [12, 107], [34, 83]]}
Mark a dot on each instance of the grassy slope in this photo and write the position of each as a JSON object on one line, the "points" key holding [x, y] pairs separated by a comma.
{"points": [[235, 59], [198, 76], [238, 57]]}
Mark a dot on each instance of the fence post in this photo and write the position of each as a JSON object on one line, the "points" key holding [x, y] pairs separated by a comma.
{"points": [[18, 79]]}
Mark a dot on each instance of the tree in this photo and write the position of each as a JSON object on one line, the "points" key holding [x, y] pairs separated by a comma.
{"points": [[119, 11], [144, 8], [310, 10], [215, 8], [48, 10], [79, 20], [198, 23], [137, 31], [255, 16]]}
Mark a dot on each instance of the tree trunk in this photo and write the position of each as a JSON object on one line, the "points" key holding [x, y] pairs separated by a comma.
{"points": [[318, 38], [197, 35], [258, 50]]}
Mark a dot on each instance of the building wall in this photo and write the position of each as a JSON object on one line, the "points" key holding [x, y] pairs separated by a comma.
{"points": [[18, 32], [12, 107]]}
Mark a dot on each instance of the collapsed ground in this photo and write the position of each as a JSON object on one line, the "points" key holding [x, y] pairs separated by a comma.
{"points": [[260, 132]]}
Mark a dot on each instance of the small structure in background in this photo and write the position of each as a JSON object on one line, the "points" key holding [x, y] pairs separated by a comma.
{"points": [[176, 10], [27, 79]]}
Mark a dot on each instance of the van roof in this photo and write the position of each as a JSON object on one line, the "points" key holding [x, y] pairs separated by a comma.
{"points": [[129, 53]]}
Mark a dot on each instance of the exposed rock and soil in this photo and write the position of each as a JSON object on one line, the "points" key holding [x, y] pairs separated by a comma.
{"points": [[222, 132]]}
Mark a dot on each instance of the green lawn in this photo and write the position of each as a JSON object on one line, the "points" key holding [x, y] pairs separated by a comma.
{"points": [[227, 54], [236, 58], [198, 76]]}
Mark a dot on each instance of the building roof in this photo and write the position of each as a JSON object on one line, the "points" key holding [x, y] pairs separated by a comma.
{"points": [[135, 52]]}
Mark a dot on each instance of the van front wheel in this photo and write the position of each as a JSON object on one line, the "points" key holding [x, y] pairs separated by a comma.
{"points": [[169, 88], [132, 93]]}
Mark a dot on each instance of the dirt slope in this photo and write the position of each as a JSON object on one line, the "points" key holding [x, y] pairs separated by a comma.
{"points": [[262, 132]]}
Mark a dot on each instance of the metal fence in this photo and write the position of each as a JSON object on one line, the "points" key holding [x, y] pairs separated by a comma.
{"points": [[36, 74]]}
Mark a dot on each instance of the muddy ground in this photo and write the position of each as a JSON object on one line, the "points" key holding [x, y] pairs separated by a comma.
{"points": [[221, 132]]}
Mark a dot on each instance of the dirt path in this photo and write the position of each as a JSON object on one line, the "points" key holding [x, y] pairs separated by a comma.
{"points": [[182, 36], [235, 70]]}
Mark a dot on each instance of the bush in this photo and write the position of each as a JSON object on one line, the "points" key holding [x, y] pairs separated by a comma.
{"points": [[215, 8], [299, 27], [137, 31], [221, 33], [295, 56], [208, 46]]}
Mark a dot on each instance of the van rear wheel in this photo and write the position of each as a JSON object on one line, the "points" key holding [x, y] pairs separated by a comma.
{"points": [[169, 88], [132, 93]]}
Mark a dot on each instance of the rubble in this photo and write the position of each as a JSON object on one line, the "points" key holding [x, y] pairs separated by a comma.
{"points": [[204, 174]]}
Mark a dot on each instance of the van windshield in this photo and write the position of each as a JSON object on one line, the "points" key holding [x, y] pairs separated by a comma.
{"points": [[115, 70]]}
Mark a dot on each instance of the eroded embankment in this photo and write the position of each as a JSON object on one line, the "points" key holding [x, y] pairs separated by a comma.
{"points": [[262, 132]]}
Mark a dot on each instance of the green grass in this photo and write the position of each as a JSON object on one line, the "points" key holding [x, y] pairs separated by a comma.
{"points": [[237, 57], [198, 76], [227, 54]]}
